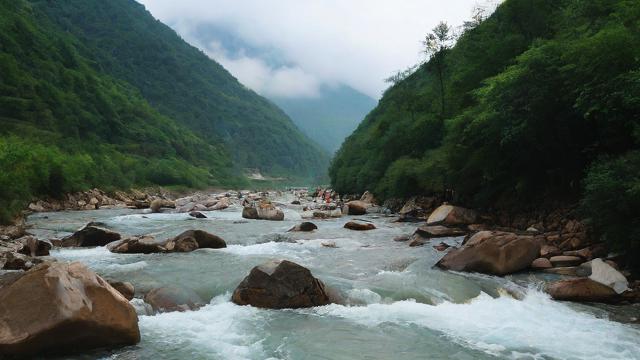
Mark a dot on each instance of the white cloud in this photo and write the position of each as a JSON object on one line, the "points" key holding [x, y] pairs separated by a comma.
{"points": [[354, 42]]}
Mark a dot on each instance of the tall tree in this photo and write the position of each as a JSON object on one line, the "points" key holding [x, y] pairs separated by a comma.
{"points": [[436, 44]]}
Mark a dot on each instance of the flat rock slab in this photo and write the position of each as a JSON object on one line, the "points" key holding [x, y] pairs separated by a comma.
{"points": [[582, 290], [564, 260], [436, 231]]}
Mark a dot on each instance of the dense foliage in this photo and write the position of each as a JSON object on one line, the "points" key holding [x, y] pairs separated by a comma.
{"points": [[181, 82], [533, 96], [69, 122]]}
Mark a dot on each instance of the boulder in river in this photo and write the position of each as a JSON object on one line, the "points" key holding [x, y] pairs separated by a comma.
{"points": [[357, 207], [249, 213], [60, 308], [157, 204], [541, 263], [171, 298], [493, 252], [33, 246], [90, 236], [137, 245], [452, 215], [304, 226], [581, 290], [268, 211], [352, 225], [203, 239], [197, 215], [280, 285]]}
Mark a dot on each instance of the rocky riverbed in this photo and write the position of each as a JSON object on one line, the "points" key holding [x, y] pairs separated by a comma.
{"points": [[390, 299]]}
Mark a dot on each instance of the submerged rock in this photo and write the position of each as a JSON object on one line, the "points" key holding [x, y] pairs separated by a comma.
{"points": [[304, 226], [352, 225], [170, 298], [436, 231], [279, 285], [197, 215], [493, 252], [187, 241], [452, 215], [90, 236], [62, 308]]}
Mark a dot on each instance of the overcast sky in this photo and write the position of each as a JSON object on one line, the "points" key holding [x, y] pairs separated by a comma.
{"points": [[317, 42]]}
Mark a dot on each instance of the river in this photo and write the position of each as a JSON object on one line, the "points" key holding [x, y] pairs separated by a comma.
{"points": [[399, 307]]}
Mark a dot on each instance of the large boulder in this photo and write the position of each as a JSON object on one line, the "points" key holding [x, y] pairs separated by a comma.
{"points": [[279, 285], [90, 236], [34, 247], [221, 204], [605, 274], [157, 204], [137, 245], [352, 225], [452, 215], [61, 308], [493, 252], [582, 290], [268, 211], [249, 213], [357, 207], [170, 298], [203, 239]]}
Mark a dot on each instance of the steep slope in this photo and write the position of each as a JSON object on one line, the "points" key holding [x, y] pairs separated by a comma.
{"points": [[539, 103], [180, 81], [331, 116], [65, 126]]}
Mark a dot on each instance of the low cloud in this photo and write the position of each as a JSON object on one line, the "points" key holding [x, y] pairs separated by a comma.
{"points": [[357, 42]]}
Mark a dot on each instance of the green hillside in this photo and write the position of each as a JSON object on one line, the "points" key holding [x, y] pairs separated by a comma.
{"points": [[71, 118], [539, 102], [181, 82]]}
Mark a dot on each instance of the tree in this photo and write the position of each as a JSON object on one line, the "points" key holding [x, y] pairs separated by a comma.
{"points": [[436, 44]]}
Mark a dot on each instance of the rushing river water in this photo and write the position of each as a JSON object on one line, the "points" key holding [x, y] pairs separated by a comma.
{"points": [[400, 308]]}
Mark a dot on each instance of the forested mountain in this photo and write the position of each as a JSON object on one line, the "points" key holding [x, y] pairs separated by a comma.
{"points": [[98, 93], [539, 101], [331, 116]]}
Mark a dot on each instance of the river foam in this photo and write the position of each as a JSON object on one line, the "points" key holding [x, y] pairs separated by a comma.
{"points": [[535, 327]]}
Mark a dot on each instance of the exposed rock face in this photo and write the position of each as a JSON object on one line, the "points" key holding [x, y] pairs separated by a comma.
{"points": [[279, 285], [90, 236], [352, 225], [203, 239], [137, 245], [581, 289], [61, 308], [493, 252], [436, 231], [451, 215], [169, 298], [125, 288], [305, 226], [357, 207], [605, 274]]}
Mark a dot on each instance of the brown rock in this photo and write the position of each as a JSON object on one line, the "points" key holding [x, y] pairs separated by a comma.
{"points": [[158, 204], [279, 285], [581, 289], [541, 263], [548, 251], [90, 236], [493, 252], [125, 288], [197, 215], [436, 231], [62, 308], [451, 215], [181, 244], [401, 238], [34, 247], [250, 213], [137, 245], [563, 260], [564, 270], [417, 240], [203, 239], [352, 225], [305, 227], [368, 197], [357, 207], [169, 298]]}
